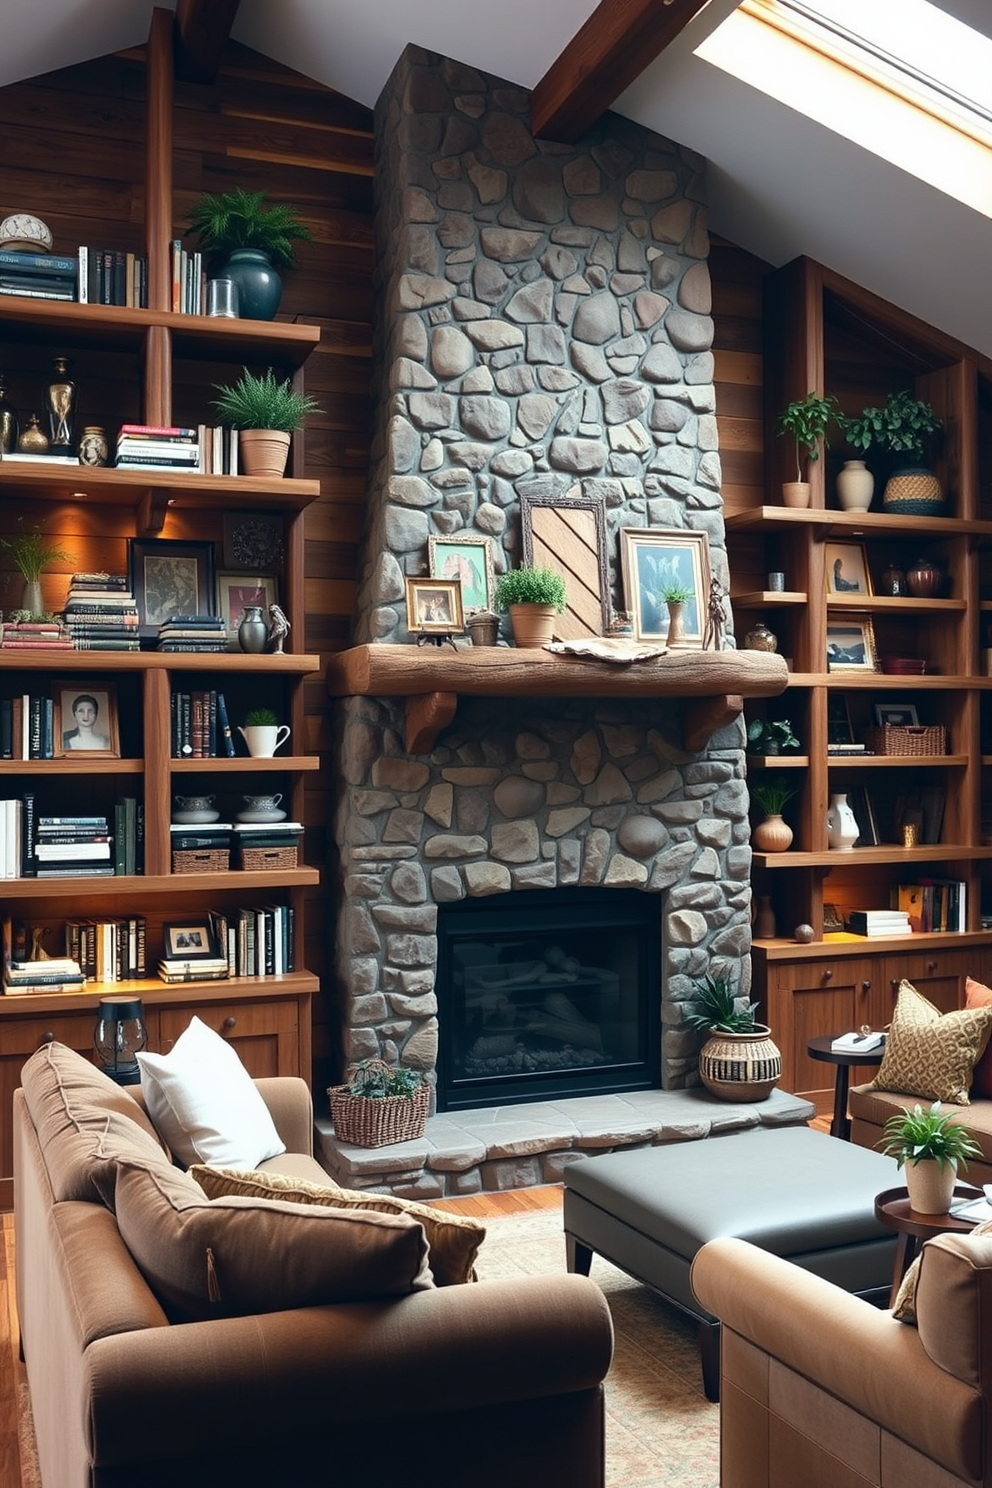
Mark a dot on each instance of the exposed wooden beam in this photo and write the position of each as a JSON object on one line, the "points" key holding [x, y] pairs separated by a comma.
{"points": [[605, 55], [202, 28]]}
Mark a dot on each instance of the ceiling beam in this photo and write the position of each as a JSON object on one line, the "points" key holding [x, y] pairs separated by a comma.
{"points": [[614, 46], [202, 28]]}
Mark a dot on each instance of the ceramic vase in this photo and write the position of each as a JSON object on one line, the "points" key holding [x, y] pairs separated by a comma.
{"points": [[931, 1187], [8, 421], [32, 598], [842, 825], [676, 622], [773, 834], [740, 1066], [764, 920], [924, 578], [253, 633], [259, 286], [33, 440], [93, 446], [761, 638], [855, 486], [533, 624]]}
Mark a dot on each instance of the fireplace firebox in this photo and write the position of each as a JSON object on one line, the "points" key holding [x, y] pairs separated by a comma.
{"points": [[547, 994]]}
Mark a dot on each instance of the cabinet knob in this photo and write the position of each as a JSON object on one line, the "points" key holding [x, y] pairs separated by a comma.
{"points": [[894, 983], [827, 975], [48, 1038], [229, 1023], [931, 966], [866, 986]]}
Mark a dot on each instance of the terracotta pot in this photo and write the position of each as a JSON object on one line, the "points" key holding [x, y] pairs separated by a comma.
{"points": [[931, 1188], [264, 452], [533, 624], [795, 493], [740, 1066], [772, 835]]}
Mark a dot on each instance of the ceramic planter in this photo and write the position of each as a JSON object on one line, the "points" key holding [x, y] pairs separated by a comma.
{"points": [[263, 739], [740, 1066], [259, 286], [855, 486], [533, 624], [773, 834], [931, 1187], [796, 493]]}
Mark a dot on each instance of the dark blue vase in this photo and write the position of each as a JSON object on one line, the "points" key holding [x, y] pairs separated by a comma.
{"points": [[259, 286]]}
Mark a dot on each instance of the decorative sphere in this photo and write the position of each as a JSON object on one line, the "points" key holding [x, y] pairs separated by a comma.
{"points": [[804, 934]]}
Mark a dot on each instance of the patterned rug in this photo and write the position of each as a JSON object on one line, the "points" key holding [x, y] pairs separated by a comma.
{"points": [[661, 1431]]}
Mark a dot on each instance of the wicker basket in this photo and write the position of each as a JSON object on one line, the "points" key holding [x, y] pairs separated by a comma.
{"points": [[369, 1122], [201, 860], [898, 738], [257, 858]]}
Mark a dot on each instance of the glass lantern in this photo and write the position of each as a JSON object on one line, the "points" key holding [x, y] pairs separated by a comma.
{"points": [[119, 1037]]}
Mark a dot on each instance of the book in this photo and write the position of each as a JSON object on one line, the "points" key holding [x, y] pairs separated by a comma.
{"points": [[857, 1043], [37, 294], [158, 431], [15, 258]]}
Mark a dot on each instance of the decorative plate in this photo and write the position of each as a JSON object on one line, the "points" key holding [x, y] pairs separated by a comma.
{"points": [[253, 542], [23, 230]]}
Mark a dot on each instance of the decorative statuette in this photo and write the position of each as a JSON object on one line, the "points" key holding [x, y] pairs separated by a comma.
{"points": [[60, 405], [278, 630]]}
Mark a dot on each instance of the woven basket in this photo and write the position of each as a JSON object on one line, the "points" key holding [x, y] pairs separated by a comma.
{"points": [[914, 493], [369, 1122], [256, 859], [898, 738], [202, 860]]}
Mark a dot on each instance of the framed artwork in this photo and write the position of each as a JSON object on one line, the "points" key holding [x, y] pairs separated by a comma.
{"points": [[170, 578], [851, 646], [85, 719], [839, 730], [189, 940], [434, 606], [235, 590], [847, 569], [568, 533], [253, 540], [654, 559], [467, 557], [864, 814], [902, 714]]}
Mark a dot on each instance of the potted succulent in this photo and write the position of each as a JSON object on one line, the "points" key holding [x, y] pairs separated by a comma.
{"points": [[807, 421], [31, 550], [263, 733], [901, 427], [772, 795], [675, 597], [266, 411], [739, 1060], [533, 596], [770, 736], [380, 1104], [932, 1146], [247, 241]]}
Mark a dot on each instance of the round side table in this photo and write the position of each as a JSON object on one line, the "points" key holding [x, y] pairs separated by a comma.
{"points": [[845, 1060], [892, 1209]]}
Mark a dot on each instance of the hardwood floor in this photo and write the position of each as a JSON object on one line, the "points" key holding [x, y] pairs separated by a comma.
{"points": [[11, 1369]]}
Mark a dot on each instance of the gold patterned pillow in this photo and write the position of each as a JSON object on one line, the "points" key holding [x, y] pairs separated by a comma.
{"points": [[454, 1239], [904, 1307], [929, 1053]]}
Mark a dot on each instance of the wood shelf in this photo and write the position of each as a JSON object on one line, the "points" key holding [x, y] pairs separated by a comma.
{"points": [[850, 524], [761, 599], [245, 989], [146, 886], [244, 764], [162, 661], [92, 765], [157, 489], [911, 858], [781, 949]]}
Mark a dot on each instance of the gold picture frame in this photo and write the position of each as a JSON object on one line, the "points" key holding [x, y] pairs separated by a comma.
{"points": [[85, 719], [434, 607], [851, 646], [846, 570]]}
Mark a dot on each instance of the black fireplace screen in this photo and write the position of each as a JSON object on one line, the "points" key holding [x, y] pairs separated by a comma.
{"points": [[547, 994]]}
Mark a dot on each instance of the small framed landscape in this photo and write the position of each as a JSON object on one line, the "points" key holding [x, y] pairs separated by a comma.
{"points": [[469, 559], [903, 715], [654, 559], [847, 569], [851, 646], [434, 607], [85, 720], [170, 578]]}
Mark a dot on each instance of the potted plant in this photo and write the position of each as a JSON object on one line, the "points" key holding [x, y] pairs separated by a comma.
{"points": [[533, 596], [770, 736], [739, 1060], [247, 242], [675, 597], [263, 733], [772, 795], [266, 411], [31, 550], [380, 1104], [932, 1146], [807, 421], [900, 427]]}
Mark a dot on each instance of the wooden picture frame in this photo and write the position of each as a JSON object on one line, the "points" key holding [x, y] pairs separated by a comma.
{"points": [[170, 578], [85, 711], [191, 939], [235, 590], [851, 646], [434, 607], [654, 556], [903, 715], [568, 533], [846, 569], [467, 557]]}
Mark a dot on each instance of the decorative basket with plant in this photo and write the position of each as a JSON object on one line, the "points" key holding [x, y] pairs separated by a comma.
{"points": [[901, 428], [718, 1007], [379, 1104], [932, 1146], [807, 421], [267, 412], [739, 1060]]}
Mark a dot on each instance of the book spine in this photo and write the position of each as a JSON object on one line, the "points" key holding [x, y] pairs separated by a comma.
{"points": [[107, 278], [50, 262], [28, 833], [82, 280], [94, 269], [158, 431], [6, 728], [224, 726], [38, 294]]}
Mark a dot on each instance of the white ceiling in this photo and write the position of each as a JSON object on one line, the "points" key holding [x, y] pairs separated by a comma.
{"points": [[780, 185]]}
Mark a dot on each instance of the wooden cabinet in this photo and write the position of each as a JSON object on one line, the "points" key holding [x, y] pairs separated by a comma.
{"points": [[814, 999]]}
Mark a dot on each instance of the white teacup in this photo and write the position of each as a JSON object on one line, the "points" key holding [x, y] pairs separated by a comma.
{"points": [[263, 739]]}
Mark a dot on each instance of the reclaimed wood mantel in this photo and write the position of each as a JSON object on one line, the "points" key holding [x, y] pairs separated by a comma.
{"points": [[711, 684]]}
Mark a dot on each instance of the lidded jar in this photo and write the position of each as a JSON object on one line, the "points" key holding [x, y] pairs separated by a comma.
{"points": [[924, 578]]}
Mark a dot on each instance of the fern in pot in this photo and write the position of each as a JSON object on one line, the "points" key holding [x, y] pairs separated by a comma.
{"points": [[267, 412], [248, 241], [533, 596]]}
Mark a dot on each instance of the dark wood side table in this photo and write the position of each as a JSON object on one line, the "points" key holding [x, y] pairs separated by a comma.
{"points": [[845, 1060], [892, 1209]]}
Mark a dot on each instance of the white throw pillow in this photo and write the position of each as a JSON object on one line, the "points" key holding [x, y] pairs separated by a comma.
{"points": [[204, 1103]]}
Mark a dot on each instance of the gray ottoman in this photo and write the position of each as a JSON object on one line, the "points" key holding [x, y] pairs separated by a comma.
{"points": [[794, 1191]]}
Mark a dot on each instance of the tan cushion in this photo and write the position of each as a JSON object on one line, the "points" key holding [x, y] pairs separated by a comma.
{"points": [[931, 1054], [232, 1257], [454, 1239], [80, 1114], [976, 994], [954, 1303], [904, 1308]]}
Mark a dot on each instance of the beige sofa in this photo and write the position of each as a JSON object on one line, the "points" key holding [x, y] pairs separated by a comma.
{"points": [[870, 1109], [495, 1377], [820, 1388]]}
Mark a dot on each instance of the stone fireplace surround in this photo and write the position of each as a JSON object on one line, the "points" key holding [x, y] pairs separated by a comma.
{"points": [[543, 327]]}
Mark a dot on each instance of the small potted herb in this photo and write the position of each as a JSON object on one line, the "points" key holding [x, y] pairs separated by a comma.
{"points": [[533, 596], [932, 1146], [738, 1061], [31, 550], [807, 421], [247, 241], [263, 733], [379, 1104], [266, 411], [774, 833]]}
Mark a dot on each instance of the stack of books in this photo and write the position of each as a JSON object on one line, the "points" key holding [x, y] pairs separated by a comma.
{"points": [[112, 276], [34, 635], [200, 726], [100, 613], [73, 847], [38, 276], [54, 974], [27, 727], [198, 969], [192, 633], [157, 447], [879, 922], [258, 941]]}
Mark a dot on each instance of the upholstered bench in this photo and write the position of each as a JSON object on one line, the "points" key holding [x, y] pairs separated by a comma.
{"points": [[795, 1192]]}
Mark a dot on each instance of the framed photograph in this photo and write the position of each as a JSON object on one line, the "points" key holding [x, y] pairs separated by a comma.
{"points": [[253, 540], [468, 558], [864, 814], [189, 940], [839, 730], [851, 646], [847, 569], [902, 714], [85, 720], [654, 559], [235, 590], [568, 533], [170, 578], [434, 606]]}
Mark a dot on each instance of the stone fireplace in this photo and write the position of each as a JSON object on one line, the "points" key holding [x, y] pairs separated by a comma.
{"points": [[543, 328]]}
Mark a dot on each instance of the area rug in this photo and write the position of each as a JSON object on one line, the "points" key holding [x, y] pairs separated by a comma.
{"points": [[661, 1431]]}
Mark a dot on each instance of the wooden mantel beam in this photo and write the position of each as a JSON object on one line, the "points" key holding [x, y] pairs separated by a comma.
{"points": [[614, 46], [202, 28]]}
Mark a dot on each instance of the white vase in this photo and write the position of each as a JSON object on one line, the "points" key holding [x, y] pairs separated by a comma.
{"points": [[842, 825], [855, 486]]}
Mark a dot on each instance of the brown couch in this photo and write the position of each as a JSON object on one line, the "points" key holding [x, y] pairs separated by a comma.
{"points": [[501, 1376], [870, 1109], [820, 1388]]}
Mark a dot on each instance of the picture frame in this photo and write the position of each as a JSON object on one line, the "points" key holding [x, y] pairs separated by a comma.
{"points": [[235, 590], [846, 569], [653, 556], [860, 801], [839, 728], [851, 646], [568, 533], [903, 715], [467, 557], [84, 711], [434, 606], [189, 940], [170, 577]]}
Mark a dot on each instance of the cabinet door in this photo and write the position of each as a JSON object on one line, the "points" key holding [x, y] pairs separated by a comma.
{"points": [[815, 999], [266, 1033], [937, 974], [21, 1037]]}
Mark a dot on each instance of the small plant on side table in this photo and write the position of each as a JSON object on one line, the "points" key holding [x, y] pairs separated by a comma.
{"points": [[932, 1146]]}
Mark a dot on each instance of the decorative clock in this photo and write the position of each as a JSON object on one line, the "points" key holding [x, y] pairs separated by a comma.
{"points": [[253, 541]]}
